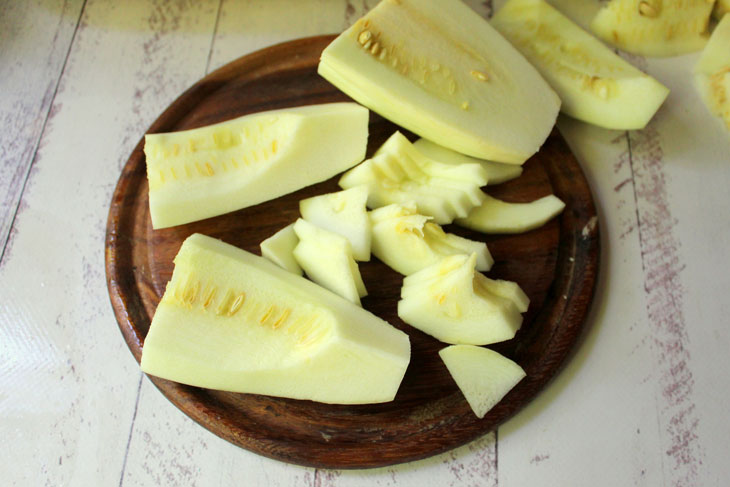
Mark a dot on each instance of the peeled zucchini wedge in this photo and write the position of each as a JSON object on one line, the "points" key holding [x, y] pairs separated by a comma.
{"points": [[712, 71], [407, 241], [399, 173], [483, 375], [233, 321], [441, 71], [204, 172], [654, 28], [594, 84], [497, 172], [454, 303], [344, 213], [279, 249], [497, 216], [327, 259]]}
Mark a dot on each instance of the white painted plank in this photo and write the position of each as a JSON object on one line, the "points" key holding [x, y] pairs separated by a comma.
{"points": [[168, 448], [472, 464], [247, 26], [690, 315], [34, 40], [640, 403], [72, 384]]}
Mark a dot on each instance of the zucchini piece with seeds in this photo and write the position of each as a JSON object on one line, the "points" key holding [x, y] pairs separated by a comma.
{"points": [[231, 320]]}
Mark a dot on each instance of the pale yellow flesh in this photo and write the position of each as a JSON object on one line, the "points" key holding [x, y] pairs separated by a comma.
{"points": [[344, 213], [327, 259], [497, 216], [212, 170], [279, 249], [441, 71], [449, 301], [483, 376], [231, 320], [594, 84], [497, 172], [506, 289], [655, 28], [399, 173], [579, 11], [712, 71], [407, 241]]}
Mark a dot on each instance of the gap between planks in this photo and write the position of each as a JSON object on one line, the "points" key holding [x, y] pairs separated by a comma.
{"points": [[131, 430]]}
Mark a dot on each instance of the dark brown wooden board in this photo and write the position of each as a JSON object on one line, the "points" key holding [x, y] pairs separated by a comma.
{"points": [[556, 265]]}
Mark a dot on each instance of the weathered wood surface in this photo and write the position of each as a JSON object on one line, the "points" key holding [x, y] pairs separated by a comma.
{"points": [[35, 39], [642, 400]]}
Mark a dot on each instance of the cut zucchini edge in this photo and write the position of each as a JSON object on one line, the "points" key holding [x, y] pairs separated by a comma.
{"points": [[399, 173], [279, 249], [326, 258], [497, 172], [497, 216], [345, 213]]}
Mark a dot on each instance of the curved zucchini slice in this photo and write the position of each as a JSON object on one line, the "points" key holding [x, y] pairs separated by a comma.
{"points": [[497, 216], [497, 172]]}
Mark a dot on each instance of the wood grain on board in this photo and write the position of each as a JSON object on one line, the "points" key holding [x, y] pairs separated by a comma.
{"points": [[556, 265]]}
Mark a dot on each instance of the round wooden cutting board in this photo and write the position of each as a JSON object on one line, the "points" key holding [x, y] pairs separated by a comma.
{"points": [[555, 265]]}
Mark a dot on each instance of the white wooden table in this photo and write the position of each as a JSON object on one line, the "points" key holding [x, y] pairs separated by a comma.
{"points": [[642, 401]]}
